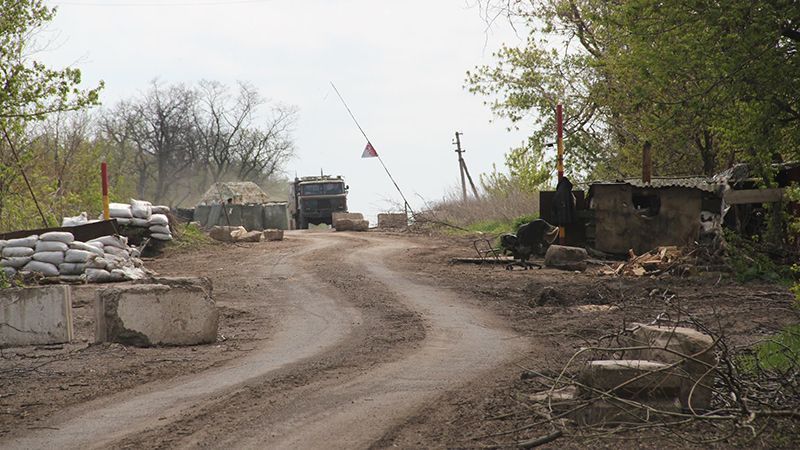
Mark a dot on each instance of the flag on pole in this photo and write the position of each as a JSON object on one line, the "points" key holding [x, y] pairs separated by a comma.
{"points": [[369, 151]]}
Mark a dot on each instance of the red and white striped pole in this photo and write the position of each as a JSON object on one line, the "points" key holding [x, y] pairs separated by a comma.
{"points": [[104, 175], [562, 232]]}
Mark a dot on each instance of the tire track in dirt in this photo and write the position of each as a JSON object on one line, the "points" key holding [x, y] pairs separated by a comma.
{"points": [[304, 329], [461, 343]]}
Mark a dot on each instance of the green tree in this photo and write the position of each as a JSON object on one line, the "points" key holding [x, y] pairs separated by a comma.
{"points": [[708, 83]]}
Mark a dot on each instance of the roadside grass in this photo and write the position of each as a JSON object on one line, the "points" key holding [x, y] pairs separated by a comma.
{"points": [[491, 214], [189, 237]]}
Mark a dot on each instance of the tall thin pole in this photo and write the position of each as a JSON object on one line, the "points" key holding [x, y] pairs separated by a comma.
{"points": [[562, 231], [104, 178], [407, 205], [25, 177], [461, 166]]}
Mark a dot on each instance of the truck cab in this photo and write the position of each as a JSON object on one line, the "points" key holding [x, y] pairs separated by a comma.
{"points": [[315, 199]]}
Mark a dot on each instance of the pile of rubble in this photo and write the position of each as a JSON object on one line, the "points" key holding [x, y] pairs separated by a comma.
{"points": [[240, 234], [57, 257], [654, 262]]}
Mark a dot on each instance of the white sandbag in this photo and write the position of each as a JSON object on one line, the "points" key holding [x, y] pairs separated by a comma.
{"points": [[161, 209], [161, 236], [44, 268], [160, 229], [75, 221], [141, 223], [120, 210], [29, 241], [98, 276], [51, 246], [130, 273], [122, 253], [96, 244], [96, 263], [159, 219], [77, 256], [3, 244], [16, 252], [16, 262], [123, 221], [141, 209], [118, 275], [111, 241], [77, 245], [58, 236], [135, 252], [54, 258], [9, 272], [71, 268]]}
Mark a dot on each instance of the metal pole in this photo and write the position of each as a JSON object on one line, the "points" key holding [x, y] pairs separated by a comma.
{"points": [[104, 177]]}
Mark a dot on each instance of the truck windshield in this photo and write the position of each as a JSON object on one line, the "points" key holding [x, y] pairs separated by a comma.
{"points": [[322, 189]]}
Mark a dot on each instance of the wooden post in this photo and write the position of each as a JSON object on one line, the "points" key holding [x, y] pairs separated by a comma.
{"points": [[562, 232]]}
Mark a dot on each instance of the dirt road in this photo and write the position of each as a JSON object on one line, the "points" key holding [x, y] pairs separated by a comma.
{"points": [[341, 368]]}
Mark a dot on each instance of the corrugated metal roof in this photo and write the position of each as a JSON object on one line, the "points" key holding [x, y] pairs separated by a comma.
{"points": [[702, 183]]}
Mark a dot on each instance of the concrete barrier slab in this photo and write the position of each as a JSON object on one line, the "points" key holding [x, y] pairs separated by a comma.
{"points": [[156, 314], [392, 220], [35, 316]]}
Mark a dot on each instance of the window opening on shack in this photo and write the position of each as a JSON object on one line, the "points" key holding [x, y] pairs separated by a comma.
{"points": [[647, 204]]}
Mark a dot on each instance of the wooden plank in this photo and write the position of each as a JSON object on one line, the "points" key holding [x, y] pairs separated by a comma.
{"points": [[745, 196]]}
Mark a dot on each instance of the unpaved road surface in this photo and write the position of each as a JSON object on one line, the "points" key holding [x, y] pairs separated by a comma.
{"points": [[355, 349]]}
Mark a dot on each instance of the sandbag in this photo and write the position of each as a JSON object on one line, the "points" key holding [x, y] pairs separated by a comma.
{"points": [[44, 268], [77, 256], [159, 219], [3, 244], [98, 276], [120, 210], [15, 262], [9, 272], [160, 229], [123, 253], [29, 241], [96, 244], [118, 275], [123, 221], [161, 236], [77, 245], [51, 246], [58, 236], [142, 223], [112, 241], [71, 268], [15, 252], [160, 209], [54, 258], [75, 221], [96, 263], [141, 209]]}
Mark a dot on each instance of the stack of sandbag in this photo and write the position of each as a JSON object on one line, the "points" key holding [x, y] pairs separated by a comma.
{"points": [[58, 254], [159, 227], [143, 214], [17, 253]]}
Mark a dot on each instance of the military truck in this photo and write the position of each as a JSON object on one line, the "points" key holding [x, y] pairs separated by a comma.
{"points": [[314, 200]]}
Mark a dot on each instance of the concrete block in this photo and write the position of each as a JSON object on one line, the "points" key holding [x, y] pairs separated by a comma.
{"points": [[156, 314], [349, 216], [392, 220], [35, 316], [224, 233], [566, 258], [631, 378], [692, 348], [352, 225], [273, 235]]}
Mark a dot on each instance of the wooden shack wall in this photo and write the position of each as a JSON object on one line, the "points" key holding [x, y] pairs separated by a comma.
{"points": [[620, 227]]}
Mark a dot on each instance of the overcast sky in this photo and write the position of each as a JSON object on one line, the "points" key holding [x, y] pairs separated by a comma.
{"points": [[399, 64]]}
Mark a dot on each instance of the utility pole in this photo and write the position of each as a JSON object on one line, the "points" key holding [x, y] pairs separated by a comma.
{"points": [[462, 166]]}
